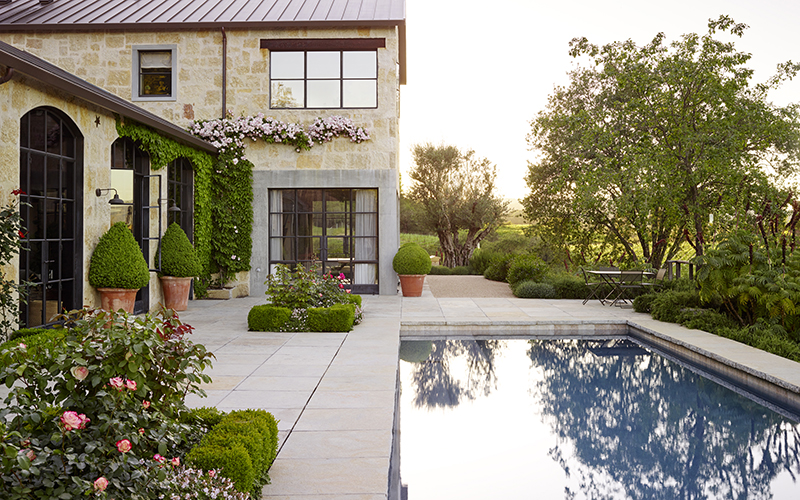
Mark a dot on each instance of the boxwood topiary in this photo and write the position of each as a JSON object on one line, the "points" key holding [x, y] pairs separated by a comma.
{"points": [[411, 259], [337, 318], [178, 257], [268, 318], [117, 261]]}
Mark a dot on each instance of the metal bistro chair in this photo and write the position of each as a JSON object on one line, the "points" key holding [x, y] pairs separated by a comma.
{"points": [[594, 288], [628, 280], [658, 281]]}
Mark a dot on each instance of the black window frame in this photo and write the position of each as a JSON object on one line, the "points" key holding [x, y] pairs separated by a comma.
{"points": [[349, 239], [326, 45]]}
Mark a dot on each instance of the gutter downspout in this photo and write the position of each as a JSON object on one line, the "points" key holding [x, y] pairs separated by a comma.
{"points": [[9, 74], [224, 73]]}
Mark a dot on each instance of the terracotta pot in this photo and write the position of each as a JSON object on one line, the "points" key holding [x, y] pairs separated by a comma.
{"points": [[411, 284], [114, 299], [176, 292]]}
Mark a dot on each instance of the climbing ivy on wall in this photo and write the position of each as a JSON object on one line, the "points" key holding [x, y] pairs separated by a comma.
{"points": [[223, 197], [164, 151]]}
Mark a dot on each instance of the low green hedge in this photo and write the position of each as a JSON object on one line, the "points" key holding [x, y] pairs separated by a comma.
{"points": [[338, 318], [243, 445], [354, 299], [36, 342], [526, 268], [441, 270], [267, 318], [25, 332], [534, 290], [568, 286], [498, 270]]}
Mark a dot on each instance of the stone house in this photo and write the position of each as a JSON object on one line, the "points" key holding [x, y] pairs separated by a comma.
{"points": [[71, 70]]}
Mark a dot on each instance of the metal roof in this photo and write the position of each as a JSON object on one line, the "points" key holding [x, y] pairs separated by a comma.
{"points": [[28, 64], [25, 15]]}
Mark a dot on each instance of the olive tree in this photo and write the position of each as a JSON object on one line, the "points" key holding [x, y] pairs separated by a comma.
{"points": [[456, 191], [646, 143]]}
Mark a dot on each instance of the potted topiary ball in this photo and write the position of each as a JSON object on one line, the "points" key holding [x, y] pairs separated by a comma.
{"points": [[179, 264], [118, 269], [411, 263]]}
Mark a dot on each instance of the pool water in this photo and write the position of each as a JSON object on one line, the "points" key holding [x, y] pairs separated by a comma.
{"points": [[546, 419]]}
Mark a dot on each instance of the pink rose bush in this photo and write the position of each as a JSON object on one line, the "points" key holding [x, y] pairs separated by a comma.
{"points": [[89, 400]]}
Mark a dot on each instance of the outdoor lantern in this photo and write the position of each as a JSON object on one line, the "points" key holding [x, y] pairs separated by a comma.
{"points": [[116, 200]]}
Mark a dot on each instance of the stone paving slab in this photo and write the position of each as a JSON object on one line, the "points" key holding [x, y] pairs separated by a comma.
{"points": [[334, 394]]}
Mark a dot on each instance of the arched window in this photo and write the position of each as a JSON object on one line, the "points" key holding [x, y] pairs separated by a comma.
{"points": [[51, 178]]}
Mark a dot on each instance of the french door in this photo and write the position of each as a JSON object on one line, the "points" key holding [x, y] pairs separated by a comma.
{"points": [[336, 229], [51, 177]]}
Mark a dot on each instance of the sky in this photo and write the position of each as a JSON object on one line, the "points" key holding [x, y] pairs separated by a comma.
{"points": [[480, 71]]}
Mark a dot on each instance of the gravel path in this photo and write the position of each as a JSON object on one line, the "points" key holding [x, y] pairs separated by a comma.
{"points": [[467, 286]]}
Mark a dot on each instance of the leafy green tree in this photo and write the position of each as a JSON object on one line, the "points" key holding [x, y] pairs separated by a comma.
{"points": [[647, 142], [456, 191]]}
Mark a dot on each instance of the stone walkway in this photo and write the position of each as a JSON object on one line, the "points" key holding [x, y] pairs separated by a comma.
{"points": [[334, 393]]}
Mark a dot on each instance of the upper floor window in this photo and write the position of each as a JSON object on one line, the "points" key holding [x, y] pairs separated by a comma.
{"points": [[324, 79], [154, 72]]}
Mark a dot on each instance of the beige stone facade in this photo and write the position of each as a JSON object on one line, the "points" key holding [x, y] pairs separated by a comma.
{"points": [[105, 59], [98, 130]]}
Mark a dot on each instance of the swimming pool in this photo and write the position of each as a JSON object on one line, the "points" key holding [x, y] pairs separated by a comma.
{"points": [[582, 419]]}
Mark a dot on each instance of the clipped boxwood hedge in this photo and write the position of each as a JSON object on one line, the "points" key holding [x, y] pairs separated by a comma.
{"points": [[337, 318], [354, 299], [117, 261], [243, 444], [411, 259], [178, 258], [38, 342], [267, 318]]}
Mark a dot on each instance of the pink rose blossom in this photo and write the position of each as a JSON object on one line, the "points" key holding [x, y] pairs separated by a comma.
{"points": [[130, 384], [124, 446], [117, 383], [158, 458], [212, 473], [30, 454], [72, 421], [146, 404], [79, 372], [100, 484], [141, 431], [175, 461]]}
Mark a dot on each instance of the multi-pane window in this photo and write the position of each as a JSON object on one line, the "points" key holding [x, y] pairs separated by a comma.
{"points": [[324, 79], [154, 73], [336, 229]]}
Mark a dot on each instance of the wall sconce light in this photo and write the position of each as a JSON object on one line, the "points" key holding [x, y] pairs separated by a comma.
{"points": [[173, 207], [116, 200]]}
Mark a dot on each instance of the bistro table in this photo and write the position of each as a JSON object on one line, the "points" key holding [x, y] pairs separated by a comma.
{"points": [[619, 282]]}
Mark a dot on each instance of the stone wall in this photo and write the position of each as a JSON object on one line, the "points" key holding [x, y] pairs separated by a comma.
{"points": [[104, 58], [19, 96]]}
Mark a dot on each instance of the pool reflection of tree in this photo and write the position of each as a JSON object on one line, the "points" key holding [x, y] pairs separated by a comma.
{"points": [[434, 383], [644, 422]]}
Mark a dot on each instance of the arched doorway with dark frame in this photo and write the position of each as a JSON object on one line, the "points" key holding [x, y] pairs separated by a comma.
{"points": [[51, 208]]}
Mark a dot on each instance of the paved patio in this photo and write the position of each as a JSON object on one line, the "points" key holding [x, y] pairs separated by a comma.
{"points": [[334, 393]]}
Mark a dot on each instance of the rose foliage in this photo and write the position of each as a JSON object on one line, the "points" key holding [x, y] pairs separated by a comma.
{"points": [[88, 416]]}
